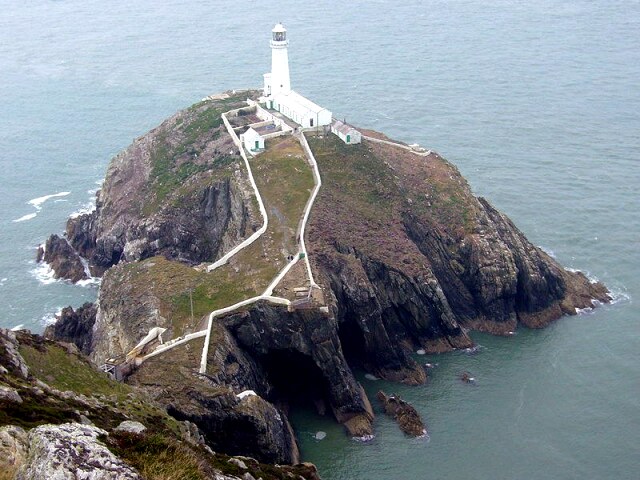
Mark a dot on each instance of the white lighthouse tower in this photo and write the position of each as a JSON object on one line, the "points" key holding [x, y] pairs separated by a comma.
{"points": [[277, 87], [278, 80]]}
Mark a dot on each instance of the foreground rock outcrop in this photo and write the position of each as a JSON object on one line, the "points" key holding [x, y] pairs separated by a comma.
{"points": [[406, 256], [71, 450], [60, 417]]}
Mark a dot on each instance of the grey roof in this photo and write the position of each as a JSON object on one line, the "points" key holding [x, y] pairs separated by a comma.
{"points": [[342, 127]]}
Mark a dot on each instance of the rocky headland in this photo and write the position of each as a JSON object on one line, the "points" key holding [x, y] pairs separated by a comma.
{"points": [[405, 255]]}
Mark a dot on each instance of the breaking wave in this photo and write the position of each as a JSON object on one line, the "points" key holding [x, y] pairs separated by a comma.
{"points": [[37, 202], [26, 217], [44, 273], [50, 318]]}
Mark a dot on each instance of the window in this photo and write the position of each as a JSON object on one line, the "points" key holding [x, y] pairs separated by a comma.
{"points": [[311, 122]]}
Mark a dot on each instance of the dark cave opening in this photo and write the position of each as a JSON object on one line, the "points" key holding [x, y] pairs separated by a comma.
{"points": [[353, 342], [296, 380]]}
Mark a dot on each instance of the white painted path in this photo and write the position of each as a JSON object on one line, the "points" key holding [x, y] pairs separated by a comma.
{"points": [[267, 294], [265, 219]]}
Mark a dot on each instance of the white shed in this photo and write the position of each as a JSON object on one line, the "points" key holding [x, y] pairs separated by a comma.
{"points": [[252, 141], [346, 132]]}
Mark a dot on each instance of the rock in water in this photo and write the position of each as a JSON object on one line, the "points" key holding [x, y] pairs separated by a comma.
{"points": [[63, 259], [320, 435], [402, 412], [74, 326], [72, 451], [466, 377]]}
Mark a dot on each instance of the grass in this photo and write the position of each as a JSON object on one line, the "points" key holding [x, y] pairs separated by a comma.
{"points": [[285, 182], [357, 176], [374, 195], [177, 154], [157, 457], [284, 179], [68, 371], [64, 371]]}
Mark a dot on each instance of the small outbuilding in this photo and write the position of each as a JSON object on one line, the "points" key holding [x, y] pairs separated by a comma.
{"points": [[346, 132], [252, 141]]}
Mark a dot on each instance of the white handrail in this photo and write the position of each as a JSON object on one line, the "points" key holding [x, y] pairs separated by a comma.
{"points": [[222, 311]]}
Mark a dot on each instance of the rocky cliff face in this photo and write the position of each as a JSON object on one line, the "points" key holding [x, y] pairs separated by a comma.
{"points": [[414, 260], [74, 326], [176, 192], [406, 256]]}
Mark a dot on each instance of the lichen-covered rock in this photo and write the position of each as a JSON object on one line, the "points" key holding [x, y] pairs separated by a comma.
{"points": [[9, 395], [71, 451], [13, 447], [131, 426], [10, 358]]}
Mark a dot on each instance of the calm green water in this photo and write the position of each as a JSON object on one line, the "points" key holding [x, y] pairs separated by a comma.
{"points": [[537, 103]]}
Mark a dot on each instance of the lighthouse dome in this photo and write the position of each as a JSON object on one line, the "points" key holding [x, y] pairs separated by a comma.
{"points": [[279, 36]]}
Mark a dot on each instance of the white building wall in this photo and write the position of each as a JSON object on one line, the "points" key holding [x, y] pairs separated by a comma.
{"points": [[324, 118], [249, 139]]}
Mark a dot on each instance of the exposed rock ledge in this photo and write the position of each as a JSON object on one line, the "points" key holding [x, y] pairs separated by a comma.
{"points": [[402, 412], [407, 257]]}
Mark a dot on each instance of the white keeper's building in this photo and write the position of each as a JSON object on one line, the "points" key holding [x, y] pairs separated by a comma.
{"points": [[277, 87]]}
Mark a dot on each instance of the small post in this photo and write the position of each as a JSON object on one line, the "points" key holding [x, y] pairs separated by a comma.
{"points": [[191, 303]]}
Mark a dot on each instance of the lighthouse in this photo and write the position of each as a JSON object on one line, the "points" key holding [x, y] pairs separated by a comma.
{"points": [[277, 87], [278, 80]]}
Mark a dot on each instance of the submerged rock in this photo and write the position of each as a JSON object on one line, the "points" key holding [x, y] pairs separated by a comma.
{"points": [[466, 377]]}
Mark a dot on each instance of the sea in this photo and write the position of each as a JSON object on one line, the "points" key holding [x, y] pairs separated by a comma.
{"points": [[538, 105]]}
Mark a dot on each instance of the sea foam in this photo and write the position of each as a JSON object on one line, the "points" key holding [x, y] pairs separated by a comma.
{"points": [[37, 202], [26, 217], [51, 318], [44, 273]]}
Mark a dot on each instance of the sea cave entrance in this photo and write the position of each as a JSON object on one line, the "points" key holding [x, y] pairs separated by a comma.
{"points": [[353, 342], [296, 380]]}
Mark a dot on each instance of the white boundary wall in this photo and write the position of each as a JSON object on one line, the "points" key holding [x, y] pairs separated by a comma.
{"points": [[394, 144], [263, 211], [307, 211]]}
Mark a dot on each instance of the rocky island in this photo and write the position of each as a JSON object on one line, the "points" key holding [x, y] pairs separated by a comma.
{"points": [[395, 255]]}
